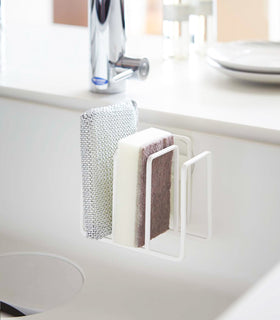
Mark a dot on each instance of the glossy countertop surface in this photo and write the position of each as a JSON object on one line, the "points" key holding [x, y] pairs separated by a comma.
{"points": [[50, 65]]}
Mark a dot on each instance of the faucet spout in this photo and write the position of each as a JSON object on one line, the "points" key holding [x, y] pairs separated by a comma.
{"points": [[109, 66]]}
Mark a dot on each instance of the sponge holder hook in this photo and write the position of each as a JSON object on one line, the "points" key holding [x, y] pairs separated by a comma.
{"points": [[181, 199]]}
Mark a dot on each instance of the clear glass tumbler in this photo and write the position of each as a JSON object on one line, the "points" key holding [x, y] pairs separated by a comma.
{"points": [[2, 35], [187, 24], [202, 25], [175, 28]]}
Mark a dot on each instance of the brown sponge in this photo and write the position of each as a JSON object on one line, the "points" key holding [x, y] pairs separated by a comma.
{"points": [[161, 184]]}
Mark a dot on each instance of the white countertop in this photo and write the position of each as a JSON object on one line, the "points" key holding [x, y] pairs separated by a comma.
{"points": [[50, 65]]}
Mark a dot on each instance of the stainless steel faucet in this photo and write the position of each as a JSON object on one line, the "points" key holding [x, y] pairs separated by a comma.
{"points": [[109, 66]]}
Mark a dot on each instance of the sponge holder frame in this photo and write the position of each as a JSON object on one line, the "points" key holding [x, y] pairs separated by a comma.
{"points": [[181, 199]]}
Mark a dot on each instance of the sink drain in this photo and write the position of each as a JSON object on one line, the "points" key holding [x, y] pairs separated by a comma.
{"points": [[34, 282], [7, 311]]}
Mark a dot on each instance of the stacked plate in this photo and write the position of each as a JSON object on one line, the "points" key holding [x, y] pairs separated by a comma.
{"points": [[257, 61]]}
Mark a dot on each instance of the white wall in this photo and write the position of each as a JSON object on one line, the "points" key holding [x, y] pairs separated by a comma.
{"points": [[135, 16], [40, 12], [274, 20], [37, 12]]}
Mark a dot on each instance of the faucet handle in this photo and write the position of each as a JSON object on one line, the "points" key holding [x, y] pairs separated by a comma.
{"points": [[138, 68]]}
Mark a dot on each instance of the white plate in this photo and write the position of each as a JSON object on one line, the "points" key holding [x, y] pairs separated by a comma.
{"points": [[254, 56], [248, 76]]}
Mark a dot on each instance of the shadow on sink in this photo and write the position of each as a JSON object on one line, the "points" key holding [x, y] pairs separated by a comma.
{"points": [[36, 282]]}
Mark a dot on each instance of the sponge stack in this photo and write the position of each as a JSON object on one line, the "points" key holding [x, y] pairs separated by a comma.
{"points": [[130, 186]]}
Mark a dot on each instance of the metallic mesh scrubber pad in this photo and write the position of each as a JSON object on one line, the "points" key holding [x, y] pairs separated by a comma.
{"points": [[101, 129]]}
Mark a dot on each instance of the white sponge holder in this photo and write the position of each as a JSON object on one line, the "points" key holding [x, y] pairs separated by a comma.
{"points": [[181, 202]]}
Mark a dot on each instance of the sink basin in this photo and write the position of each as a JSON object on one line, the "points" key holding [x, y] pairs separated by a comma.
{"points": [[35, 282]]}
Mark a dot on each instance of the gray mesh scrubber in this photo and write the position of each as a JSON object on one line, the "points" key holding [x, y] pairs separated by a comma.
{"points": [[101, 129]]}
